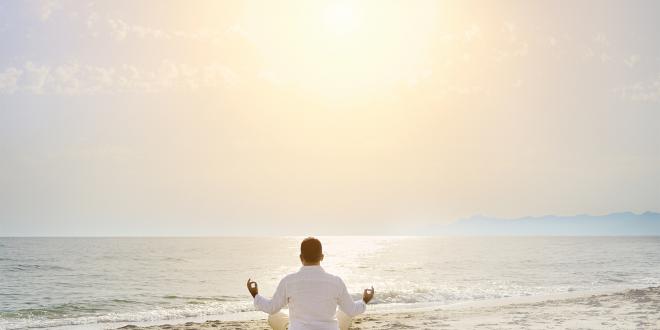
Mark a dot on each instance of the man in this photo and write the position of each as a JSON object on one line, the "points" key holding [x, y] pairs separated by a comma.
{"points": [[312, 295]]}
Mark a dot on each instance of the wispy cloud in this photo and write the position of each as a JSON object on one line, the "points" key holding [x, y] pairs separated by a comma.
{"points": [[648, 91], [119, 30], [35, 78], [46, 9], [471, 34], [509, 43], [631, 60], [602, 40], [74, 79], [9, 80]]}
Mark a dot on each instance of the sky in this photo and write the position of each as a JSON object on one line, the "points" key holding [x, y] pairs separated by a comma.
{"points": [[132, 118]]}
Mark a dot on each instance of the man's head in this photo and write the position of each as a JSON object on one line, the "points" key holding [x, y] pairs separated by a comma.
{"points": [[311, 251]]}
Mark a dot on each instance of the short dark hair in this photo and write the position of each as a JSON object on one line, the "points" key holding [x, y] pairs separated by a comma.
{"points": [[311, 249]]}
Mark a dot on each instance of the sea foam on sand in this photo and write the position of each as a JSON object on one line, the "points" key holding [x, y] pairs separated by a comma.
{"points": [[631, 309]]}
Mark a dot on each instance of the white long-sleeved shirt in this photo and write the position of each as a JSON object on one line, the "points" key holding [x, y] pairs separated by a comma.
{"points": [[313, 296]]}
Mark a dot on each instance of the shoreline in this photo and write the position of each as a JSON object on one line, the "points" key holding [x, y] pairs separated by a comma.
{"points": [[628, 308]]}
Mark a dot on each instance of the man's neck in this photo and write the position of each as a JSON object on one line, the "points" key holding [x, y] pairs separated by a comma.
{"points": [[312, 264]]}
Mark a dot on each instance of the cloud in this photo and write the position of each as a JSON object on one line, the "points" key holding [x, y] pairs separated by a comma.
{"points": [[91, 20], [509, 44], [9, 79], [602, 40], [91, 23], [46, 8], [77, 79], [35, 78], [271, 77], [216, 75], [121, 30], [642, 91], [67, 79], [118, 29], [518, 83], [631, 60], [471, 34], [509, 29], [599, 49], [604, 57]]}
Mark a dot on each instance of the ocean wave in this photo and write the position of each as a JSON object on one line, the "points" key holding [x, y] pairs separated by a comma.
{"points": [[27, 267], [124, 301], [198, 298], [55, 317], [51, 312], [174, 259], [457, 294], [422, 296], [63, 315]]}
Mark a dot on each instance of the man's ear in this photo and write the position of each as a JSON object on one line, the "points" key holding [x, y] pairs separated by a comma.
{"points": [[302, 259], [321, 257]]}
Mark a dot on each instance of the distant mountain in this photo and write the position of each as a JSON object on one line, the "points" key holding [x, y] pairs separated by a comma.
{"points": [[616, 224]]}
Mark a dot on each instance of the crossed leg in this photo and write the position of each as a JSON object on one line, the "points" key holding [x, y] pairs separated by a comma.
{"points": [[280, 321]]}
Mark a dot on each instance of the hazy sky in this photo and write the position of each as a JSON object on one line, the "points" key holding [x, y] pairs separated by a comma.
{"points": [[273, 117]]}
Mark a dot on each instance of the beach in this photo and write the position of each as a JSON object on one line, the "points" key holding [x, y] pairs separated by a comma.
{"points": [[420, 282], [629, 309]]}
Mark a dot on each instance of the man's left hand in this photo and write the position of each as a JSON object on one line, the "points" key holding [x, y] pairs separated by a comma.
{"points": [[252, 287]]}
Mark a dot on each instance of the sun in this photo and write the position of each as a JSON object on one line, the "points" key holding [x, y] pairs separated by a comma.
{"points": [[337, 49], [340, 18]]}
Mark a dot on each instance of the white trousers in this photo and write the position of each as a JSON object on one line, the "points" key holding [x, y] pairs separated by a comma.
{"points": [[280, 321]]}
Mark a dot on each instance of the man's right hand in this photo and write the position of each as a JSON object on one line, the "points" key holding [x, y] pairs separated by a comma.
{"points": [[368, 295], [252, 287]]}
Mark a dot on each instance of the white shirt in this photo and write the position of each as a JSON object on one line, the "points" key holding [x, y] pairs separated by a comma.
{"points": [[313, 296]]}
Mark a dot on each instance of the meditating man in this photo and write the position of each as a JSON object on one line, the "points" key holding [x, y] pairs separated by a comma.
{"points": [[312, 295]]}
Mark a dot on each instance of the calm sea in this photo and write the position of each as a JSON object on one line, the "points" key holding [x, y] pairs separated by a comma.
{"points": [[108, 282]]}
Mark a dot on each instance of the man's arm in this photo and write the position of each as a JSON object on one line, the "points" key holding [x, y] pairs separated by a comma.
{"points": [[346, 303], [271, 306]]}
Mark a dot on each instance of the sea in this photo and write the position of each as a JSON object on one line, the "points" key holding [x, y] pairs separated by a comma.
{"points": [[101, 283]]}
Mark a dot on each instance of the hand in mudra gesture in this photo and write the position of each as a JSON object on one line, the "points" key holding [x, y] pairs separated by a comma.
{"points": [[252, 287], [368, 295]]}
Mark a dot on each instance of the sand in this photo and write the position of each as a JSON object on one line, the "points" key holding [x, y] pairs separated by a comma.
{"points": [[632, 309]]}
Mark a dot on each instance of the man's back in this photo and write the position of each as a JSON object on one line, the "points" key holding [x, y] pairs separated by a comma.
{"points": [[313, 296]]}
